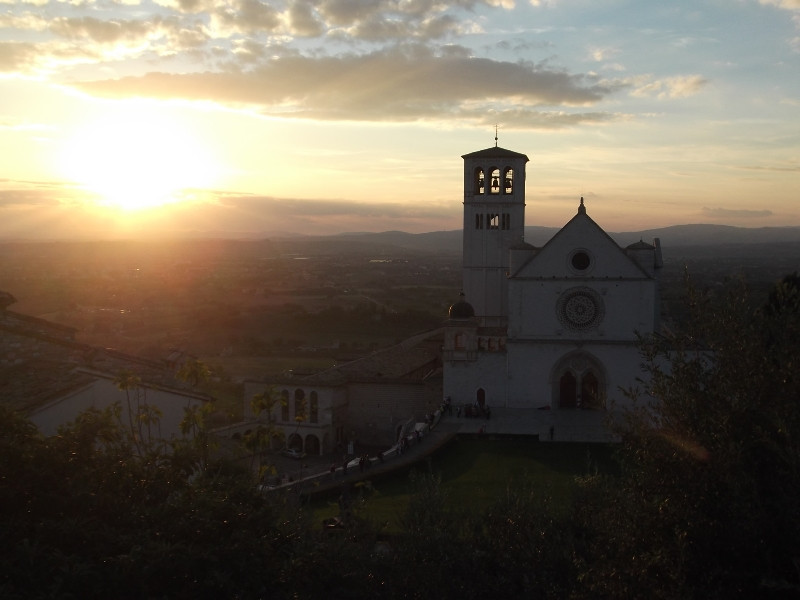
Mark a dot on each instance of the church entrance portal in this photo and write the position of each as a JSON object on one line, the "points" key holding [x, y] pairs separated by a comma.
{"points": [[579, 383], [590, 391], [568, 391]]}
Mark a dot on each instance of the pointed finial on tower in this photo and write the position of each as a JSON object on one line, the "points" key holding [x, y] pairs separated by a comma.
{"points": [[581, 208], [495, 135]]}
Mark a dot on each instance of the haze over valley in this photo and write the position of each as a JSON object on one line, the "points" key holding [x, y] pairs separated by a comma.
{"points": [[306, 302]]}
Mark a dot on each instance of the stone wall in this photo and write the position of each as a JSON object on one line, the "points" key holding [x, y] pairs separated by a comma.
{"points": [[376, 410]]}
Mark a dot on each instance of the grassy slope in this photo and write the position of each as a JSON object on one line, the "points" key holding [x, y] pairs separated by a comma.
{"points": [[474, 472]]}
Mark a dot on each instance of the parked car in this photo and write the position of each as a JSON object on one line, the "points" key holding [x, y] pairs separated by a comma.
{"points": [[293, 453], [269, 483]]}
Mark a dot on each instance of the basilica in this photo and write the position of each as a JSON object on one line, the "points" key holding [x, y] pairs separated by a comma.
{"points": [[550, 328]]}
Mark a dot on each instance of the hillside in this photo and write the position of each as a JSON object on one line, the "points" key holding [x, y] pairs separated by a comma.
{"points": [[702, 239]]}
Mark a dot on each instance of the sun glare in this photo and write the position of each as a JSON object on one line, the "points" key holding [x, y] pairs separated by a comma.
{"points": [[138, 159]]}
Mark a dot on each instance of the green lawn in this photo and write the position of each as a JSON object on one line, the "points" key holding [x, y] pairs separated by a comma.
{"points": [[474, 472]]}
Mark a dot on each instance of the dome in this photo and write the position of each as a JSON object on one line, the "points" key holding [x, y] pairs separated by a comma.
{"points": [[640, 245], [461, 309]]}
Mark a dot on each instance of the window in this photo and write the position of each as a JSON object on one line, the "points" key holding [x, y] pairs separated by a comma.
{"points": [[508, 181], [506, 221], [581, 261], [480, 181], [459, 341], [285, 405], [495, 183], [479, 221], [580, 308], [314, 412], [494, 221], [299, 405]]}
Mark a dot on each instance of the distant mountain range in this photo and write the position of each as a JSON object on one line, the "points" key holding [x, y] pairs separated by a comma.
{"points": [[450, 242], [705, 239]]}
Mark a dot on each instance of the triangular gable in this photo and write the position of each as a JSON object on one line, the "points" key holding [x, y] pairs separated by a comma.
{"points": [[581, 233]]}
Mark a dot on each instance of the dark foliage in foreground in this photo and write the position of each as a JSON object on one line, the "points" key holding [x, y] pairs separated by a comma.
{"points": [[706, 505]]}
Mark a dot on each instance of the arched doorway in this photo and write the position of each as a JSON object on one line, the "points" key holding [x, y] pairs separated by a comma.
{"points": [[312, 445], [568, 391], [481, 398], [579, 382], [295, 442], [590, 391]]}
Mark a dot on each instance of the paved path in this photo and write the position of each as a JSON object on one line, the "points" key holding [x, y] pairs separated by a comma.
{"points": [[573, 425], [323, 480], [568, 425]]}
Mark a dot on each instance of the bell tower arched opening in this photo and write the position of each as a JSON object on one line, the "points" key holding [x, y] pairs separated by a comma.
{"points": [[494, 187], [479, 181], [508, 180]]}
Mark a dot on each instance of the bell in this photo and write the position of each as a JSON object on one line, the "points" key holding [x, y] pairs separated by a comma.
{"points": [[495, 182]]}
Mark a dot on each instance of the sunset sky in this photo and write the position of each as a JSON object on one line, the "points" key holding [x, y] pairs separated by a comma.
{"points": [[160, 117]]}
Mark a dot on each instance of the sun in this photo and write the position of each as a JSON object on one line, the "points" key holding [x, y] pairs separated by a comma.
{"points": [[139, 158]]}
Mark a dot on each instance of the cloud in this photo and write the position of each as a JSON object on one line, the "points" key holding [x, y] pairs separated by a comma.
{"points": [[603, 54], [670, 87], [17, 57], [403, 83], [784, 4], [727, 213], [244, 17], [54, 209], [347, 20], [350, 13], [30, 194], [102, 31], [206, 30], [322, 209], [787, 167], [303, 20], [91, 40], [286, 216]]}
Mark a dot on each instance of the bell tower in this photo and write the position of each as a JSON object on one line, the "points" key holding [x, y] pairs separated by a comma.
{"points": [[494, 221]]}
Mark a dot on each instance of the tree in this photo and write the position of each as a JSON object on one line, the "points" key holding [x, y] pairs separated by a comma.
{"points": [[198, 442], [708, 503], [263, 407], [194, 372], [142, 416], [86, 516], [300, 411]]}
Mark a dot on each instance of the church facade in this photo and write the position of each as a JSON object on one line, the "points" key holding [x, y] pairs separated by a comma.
{"points": [[552, 327]]}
